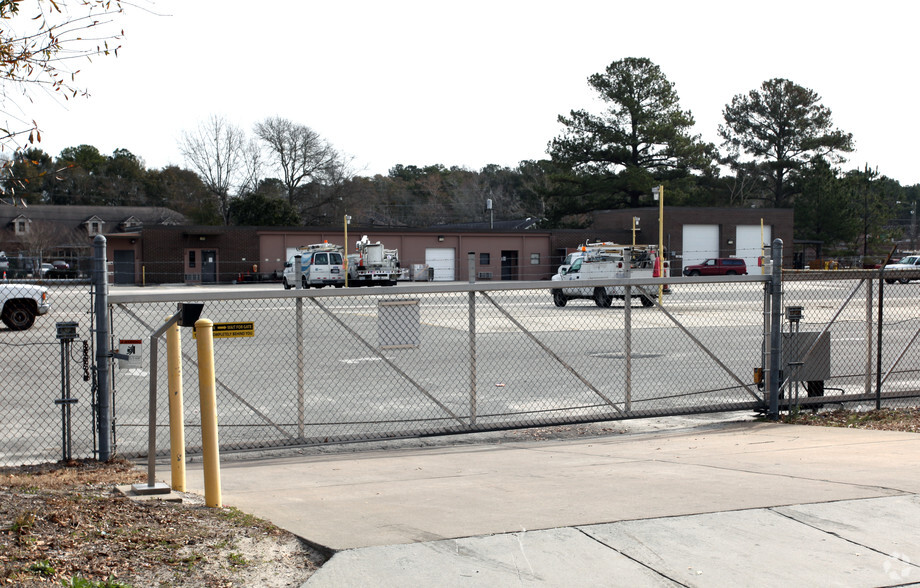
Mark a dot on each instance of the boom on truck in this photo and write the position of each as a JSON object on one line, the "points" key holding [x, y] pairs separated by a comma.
{"points": [[594, 261], [373, 264]]}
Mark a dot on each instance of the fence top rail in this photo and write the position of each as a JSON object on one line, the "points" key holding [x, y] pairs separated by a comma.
{"points": [[847, 274], [237, 292]]}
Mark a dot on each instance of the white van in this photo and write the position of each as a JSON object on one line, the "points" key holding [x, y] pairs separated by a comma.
{"points": [[320, 265]]}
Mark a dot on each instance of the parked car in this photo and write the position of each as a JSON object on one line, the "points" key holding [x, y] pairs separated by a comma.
{"points": [[60, 265], [909, 262], [44, 269], [719, 266]]}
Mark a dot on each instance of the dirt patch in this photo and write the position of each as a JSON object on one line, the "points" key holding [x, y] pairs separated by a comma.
{"points": [[886, 419], [66, 524]]}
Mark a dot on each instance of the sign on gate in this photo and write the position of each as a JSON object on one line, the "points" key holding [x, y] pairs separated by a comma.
{"points": [[228, 330], [132, 349]]}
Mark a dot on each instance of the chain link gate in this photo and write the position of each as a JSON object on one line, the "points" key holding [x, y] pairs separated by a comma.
{"points": [[340, 365], [49, 371]]}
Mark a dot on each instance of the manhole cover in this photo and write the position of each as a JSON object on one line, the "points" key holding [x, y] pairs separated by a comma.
{"points": [[609, 355]]}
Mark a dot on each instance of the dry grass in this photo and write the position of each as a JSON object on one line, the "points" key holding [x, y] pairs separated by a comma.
{"points": [[886, 419], [65, 524]]}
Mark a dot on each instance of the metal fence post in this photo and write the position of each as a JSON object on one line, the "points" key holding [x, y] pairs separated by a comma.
{"points": [[776, 326], [627, 343], [869, 339], [301, 379], [878, 357], [101, 285], [298, 269], [472, 334], [298, 328]]}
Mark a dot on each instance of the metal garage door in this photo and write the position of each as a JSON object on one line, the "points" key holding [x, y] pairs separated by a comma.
{"points": [[442, 261], [700, 243], [748, 245]]}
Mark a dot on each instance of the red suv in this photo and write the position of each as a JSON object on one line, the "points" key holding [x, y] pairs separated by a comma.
{"points": [[722, 266]]}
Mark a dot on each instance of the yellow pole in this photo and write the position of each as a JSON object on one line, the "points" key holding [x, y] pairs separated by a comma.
{"points": [[176, 413], [661, 237], [634, 232], [208, 398], [762, 267]]}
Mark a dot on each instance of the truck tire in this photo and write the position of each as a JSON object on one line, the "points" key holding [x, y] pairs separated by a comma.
{"points": [[559, 298], [18, 315], [695, 273], [731, 273], [601, 298], [903, 281], [303, 283], [647, 302], [284, 283]]}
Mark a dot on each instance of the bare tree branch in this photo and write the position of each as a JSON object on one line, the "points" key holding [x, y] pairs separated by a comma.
{"points": [[217, 150]]}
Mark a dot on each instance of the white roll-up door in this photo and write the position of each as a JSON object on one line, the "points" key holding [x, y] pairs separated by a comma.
{"points": [[700, 243], [748, 245], [443, 262]]}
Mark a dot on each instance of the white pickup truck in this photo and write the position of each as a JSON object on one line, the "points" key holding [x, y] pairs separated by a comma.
{"points": [[909, 262], [21, 304], [603, 263]]}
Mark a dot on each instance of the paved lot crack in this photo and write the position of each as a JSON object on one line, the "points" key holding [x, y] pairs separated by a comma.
{"points": [[629, 557]]}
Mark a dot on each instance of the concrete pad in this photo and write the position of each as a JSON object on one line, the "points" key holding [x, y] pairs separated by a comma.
{"points": [[405, 496], [887, 525], [746, 548], [557, 557]]}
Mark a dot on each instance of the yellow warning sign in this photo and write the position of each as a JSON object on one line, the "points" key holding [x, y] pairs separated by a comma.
{"points": [[227, 330]]}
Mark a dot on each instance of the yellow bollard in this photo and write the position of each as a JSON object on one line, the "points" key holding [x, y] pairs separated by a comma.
{"points": [[204, 329], [176, 412]]}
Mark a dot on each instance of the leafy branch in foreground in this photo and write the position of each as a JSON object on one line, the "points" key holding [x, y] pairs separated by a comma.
{"points": [[40, 41]]}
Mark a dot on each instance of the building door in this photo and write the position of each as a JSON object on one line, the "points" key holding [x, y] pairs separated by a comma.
{"points": [[748, 244], [441, 260], [509, 265], [208, 266], [700, 243], [124, 266]]}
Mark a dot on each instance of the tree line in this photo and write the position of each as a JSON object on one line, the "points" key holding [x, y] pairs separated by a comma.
{"points": [[779, 148]]}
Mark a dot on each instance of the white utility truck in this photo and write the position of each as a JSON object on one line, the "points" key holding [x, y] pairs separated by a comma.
{"points": [[321, 265], [600, 261], [373, 264]]}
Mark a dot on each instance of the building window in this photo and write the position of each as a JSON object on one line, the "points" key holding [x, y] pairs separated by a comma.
{"points": [[22, 227], [191, 259], [534, 259], [485, 259]]}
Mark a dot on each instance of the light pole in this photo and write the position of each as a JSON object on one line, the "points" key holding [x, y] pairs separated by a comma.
{"points": [[345, 265], [659, 196], [635, 227], [913, 226]]}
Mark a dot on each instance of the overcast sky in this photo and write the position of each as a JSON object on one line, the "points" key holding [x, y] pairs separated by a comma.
{"points": [[478, 82]]}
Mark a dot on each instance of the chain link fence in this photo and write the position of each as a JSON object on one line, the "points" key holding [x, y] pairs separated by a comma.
{"points": [[853, 334], [336, 365], [38, 370]]}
